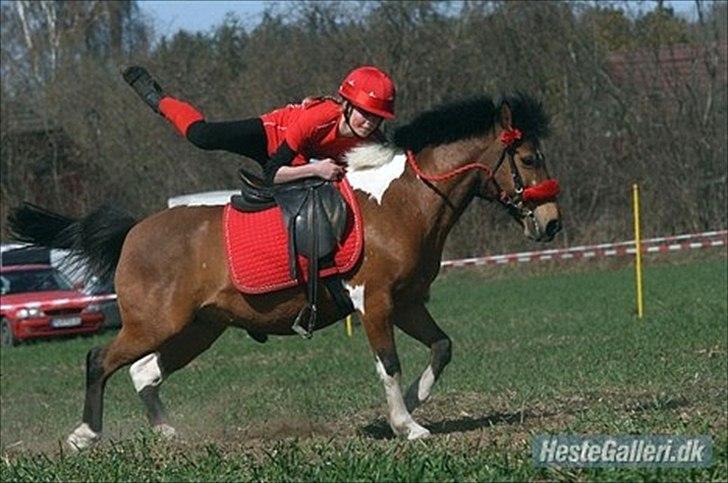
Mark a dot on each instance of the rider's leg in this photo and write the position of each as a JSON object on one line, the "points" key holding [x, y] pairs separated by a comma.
{"points": [[246, 137], [143, 84], [181, 114]]}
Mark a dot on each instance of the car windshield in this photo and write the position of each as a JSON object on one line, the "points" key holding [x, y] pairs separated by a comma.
{"points": [[33, 281]]}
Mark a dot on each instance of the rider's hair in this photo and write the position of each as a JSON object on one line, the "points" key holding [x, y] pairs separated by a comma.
{"points": [[320, 98]]}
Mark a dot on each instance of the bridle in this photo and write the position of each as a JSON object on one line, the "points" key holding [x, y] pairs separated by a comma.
{"points": [[516, 204]]}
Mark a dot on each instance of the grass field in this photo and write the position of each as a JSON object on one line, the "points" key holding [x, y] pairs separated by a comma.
{"points": [[559, 352]]}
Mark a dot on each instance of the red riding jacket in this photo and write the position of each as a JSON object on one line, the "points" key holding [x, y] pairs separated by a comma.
{"points": [[310, 129]]}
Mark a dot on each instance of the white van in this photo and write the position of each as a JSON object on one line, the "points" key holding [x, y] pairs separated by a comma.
{"points": [[205, 198]]}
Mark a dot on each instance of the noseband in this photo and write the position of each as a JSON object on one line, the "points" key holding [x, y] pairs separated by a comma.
{"points": [[515, 205]]}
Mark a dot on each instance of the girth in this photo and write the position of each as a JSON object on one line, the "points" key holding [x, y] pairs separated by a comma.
{"points": [[314, 214]]}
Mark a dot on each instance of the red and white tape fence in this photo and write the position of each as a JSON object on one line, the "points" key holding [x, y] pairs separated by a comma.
{"points": [[667, 244]]}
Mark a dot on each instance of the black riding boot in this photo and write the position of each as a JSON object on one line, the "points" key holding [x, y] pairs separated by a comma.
{"points": [[144, 85]]}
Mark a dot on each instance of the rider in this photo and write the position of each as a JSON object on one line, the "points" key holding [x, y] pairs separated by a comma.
{"points": [[283, 140]]}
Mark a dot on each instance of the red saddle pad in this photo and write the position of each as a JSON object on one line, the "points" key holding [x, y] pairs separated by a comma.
{"points": [[256, 245]]}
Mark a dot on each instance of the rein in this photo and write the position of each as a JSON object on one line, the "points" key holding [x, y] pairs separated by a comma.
{"points": [[543, 191], [450, 174]]}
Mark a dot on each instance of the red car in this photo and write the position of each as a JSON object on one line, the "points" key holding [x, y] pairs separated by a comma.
{"points": [[38, 301]]}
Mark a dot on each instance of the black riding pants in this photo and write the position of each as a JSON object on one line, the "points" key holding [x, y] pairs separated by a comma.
{"points": [[246, 137]]}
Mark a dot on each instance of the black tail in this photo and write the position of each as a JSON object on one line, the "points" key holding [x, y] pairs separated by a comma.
{"points": [[94, 240]]}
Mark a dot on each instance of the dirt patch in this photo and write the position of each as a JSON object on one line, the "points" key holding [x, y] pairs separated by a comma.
{"points": [[507, 421]]}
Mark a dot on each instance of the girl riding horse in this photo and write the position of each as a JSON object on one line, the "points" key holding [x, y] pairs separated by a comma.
{"points": [[282, 141], [176, 296]]}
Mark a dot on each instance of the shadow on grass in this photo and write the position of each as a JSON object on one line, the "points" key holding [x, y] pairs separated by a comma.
{"points": [[379, 428]]}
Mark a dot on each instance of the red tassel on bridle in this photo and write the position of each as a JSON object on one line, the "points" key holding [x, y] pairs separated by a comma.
{"points": [[544, 191], [510, 136]]}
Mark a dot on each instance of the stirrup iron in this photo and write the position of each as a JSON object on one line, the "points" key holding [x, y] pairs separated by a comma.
{"points": [[305, 332]]}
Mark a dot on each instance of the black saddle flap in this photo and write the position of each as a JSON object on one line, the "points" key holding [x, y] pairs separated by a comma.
{"points": [[312, 201], [254, 194]]}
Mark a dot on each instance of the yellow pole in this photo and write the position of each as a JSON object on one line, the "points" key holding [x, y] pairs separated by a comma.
{"points": [[637, 248], [348, 325]]}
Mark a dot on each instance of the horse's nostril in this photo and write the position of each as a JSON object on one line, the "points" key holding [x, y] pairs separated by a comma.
{"points": [[553, 227]]}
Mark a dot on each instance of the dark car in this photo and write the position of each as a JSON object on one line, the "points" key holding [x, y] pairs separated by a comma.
{"points": [[109, 306], [37, 301]]}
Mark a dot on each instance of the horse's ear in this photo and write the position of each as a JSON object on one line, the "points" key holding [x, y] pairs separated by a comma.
{"points": [[506, 118]]}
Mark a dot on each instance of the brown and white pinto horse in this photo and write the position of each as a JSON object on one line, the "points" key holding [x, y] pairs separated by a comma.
{"points": [[176, 297]]}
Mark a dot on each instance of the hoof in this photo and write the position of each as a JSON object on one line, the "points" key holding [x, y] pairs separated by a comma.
{"points": [[418, 432], [165, 430], [83, 437]]}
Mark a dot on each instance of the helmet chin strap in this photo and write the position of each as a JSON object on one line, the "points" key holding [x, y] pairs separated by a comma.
{"points": [[347, 117]]}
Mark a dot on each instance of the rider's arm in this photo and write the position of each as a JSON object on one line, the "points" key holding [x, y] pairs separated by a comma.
{"points": [[310, 126], [291, 173], [278, 169]]}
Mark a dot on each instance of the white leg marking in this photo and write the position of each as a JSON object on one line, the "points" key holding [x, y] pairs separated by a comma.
{"points": [[146, 372], [83, 437], [420, 389], [356, 293], [165, 430], [399, 418], [426, 381], [375, 181]]}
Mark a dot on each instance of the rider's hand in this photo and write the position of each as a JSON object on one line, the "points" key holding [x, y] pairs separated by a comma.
{"points": [[330, 170]]}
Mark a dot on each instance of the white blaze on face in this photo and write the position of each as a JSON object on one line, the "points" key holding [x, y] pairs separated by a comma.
{"points": [[146, 372], [356, 294], [376, 180]]}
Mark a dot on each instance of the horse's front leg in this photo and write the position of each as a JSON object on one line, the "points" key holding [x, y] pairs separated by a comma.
{"points": [[377, 321], [415, 320]]}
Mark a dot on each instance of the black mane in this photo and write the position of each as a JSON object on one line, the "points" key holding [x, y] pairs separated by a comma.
{"points": [[468, 118]]}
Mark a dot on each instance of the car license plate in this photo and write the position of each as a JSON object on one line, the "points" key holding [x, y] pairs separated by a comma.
{"points": [[66, 322]]}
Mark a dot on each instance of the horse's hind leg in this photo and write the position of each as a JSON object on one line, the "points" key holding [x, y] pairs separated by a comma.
{"points": [[101, 363], [89, 432], [148, 372], [416, 321]]}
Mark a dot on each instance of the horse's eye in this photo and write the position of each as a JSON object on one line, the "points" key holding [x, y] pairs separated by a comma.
{"points": [[528, 161]]}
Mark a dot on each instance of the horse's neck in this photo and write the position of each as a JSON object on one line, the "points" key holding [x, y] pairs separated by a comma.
{"points": [[443, 202]]}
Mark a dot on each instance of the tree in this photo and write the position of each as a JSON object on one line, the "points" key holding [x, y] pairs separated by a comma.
{"points": [[661, 27], [46, 35]]}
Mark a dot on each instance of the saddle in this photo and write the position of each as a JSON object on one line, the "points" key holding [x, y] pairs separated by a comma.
{"points": [[314, 215]]}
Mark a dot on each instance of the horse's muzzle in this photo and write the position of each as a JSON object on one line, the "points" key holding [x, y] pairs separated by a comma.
{"points": [[543, 224]]}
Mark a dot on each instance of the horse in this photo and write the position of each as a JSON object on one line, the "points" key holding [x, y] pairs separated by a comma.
{"points": [[174, 290]]}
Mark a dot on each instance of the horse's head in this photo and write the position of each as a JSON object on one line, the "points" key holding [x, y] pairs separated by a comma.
{"points": [[520, 180]]}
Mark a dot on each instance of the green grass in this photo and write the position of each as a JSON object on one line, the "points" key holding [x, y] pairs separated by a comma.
{"points": [[558, 353]]}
